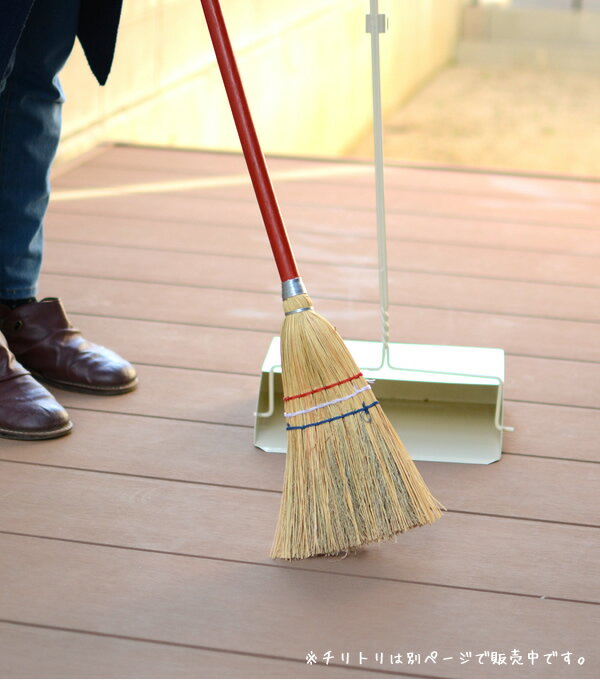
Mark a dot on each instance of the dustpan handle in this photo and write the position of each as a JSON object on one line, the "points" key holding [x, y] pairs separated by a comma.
{"points": [[374, 27], [255, 160]]}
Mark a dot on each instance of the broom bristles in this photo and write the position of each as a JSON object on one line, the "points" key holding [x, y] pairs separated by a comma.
{"points": [[348, 480]]}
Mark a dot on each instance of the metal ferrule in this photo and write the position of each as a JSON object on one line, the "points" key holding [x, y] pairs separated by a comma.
{"points": [[299, 310], [292, 287]]}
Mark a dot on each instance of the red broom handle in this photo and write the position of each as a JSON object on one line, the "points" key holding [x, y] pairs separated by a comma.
{"points": [[255, 160]]}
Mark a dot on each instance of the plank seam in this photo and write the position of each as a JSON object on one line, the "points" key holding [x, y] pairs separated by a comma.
{"points": [[299, 230], [157, 417], [211, 288], [276, 332], [290, 567], [231, 424], [255, 374], [507, 399], [238, 426], [203, 196], [390, 165], [550, 457], [508, 354], [358, 161], [355, 266], [277, 491], [206, 648]]}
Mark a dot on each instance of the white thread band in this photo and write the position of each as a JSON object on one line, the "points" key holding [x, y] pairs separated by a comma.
{"points": [[299, 310], [328, 403]]}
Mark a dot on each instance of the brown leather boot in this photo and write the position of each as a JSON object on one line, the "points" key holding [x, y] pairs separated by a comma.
{"points": [[45, 342], [27, 410]]}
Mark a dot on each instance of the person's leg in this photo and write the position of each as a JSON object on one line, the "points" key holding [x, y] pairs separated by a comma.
{"points": [[30, 116], [39, 332], [30, 103]]}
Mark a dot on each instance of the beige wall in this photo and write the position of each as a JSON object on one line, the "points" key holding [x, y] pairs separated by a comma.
{"points": [[306, 69], [556, 39], [552, 26]]}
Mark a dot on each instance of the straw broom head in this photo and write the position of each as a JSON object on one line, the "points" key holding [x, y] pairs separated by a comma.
{"points": [[348, 480]]}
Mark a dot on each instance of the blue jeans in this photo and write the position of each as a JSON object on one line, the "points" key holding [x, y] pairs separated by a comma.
{"points": [[30, 118]]}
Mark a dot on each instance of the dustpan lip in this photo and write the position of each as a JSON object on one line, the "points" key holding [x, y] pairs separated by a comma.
{"points": [[433, 363]]}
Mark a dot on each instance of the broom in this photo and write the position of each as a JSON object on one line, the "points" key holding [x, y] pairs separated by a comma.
{"points": [[348, 478]]}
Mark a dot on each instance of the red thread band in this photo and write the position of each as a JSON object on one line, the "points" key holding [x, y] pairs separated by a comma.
{"points": [[316, 391]]}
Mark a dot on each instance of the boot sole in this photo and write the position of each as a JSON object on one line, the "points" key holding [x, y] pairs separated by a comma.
{"points": [[87, 389], [36, 436]]}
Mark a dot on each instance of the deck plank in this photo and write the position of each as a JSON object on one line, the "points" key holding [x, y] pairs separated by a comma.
{"points": [[325, 221], [425, 178], [224, 456], [469, 551], [540, 337], [334, 189], [570, 269], [430, 290], [542, 380], [230, 399], [41, 653], [279, 611]]}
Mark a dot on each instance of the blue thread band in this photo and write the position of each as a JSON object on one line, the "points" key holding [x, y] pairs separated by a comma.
{"points": [[364, 409]]}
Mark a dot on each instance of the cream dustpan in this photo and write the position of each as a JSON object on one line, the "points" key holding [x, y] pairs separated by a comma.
{"points": [[446, 402]]}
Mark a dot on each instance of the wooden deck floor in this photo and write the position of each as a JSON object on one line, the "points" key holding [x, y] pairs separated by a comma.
{"points": [[138, 546]]}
